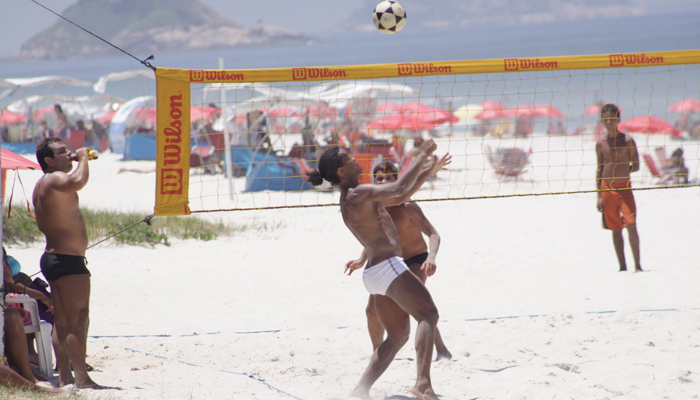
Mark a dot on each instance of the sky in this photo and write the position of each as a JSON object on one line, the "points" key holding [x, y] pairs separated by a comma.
{"points": [[22, 19]]}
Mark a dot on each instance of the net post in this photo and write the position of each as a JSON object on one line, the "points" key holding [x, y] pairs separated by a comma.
{"points": [[3, 357], [227, 139]]}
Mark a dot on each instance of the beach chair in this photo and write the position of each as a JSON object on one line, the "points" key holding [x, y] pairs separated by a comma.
{"points": [[663, 178], [42, 334], [664, 162], [508, 163], [205, 157]]}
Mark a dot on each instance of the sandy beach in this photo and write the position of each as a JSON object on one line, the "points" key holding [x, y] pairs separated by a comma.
{"points": [[531, 302]]}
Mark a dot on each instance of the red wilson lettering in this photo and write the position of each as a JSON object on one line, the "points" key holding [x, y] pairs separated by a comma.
{"points": [[170, 181], [525, 64], [510, 64], [215, 76], [617, 60], [299, 74], [405, 69], [196, 75]]}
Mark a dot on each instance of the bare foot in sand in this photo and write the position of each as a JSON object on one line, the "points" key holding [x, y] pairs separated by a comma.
{"points": [[427, 394], [443, 355], [360, 394], [89, 384]]}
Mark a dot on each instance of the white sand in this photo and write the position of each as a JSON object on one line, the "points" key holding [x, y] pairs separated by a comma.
{"points": [[226, 318]]}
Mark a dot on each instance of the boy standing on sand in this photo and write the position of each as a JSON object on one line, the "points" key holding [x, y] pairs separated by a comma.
{"points": [[617, 158]]}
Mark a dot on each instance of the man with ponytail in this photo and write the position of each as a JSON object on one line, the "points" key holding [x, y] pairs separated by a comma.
{"points": [[399, 294]]}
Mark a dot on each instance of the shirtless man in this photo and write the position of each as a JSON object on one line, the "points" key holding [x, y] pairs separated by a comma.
{"points": [[617, 158], [399, 292], [63, 262], [411, 224], [62, 128]]}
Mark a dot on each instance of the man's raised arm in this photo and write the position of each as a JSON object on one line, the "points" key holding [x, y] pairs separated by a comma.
{"points": [[385, 192], [425, 173], [74, 181]]}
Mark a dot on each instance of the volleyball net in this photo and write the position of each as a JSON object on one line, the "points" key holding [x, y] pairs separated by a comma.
{"points": [[243, 139]]}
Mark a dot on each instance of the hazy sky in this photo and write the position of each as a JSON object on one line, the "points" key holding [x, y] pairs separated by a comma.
{"points": [[22, 19]]}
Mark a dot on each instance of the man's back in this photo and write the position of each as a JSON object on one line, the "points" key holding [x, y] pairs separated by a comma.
{"points": [[59, 218]]}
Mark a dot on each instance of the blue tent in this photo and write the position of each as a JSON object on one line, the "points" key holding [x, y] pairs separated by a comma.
{"points": [[21, 148], [275, 173]]}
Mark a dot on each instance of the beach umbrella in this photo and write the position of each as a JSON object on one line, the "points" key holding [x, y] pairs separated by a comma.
{"points": [[492, 110], [10, 160], [388, 107], [648, 124], [522, 110], [491, 113], [493, 105], [394, 122], [595, 109], [320, 110], [107, 117], [9, 117], [40, 114], [547, 111], [147, 114], [685, 106], [468, 111], [426, 114], [538, 111], [203, 112], [283, 112]]}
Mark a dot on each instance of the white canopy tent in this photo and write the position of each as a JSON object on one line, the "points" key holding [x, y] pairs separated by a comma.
{"points": [[101, 85], [16, 84]]}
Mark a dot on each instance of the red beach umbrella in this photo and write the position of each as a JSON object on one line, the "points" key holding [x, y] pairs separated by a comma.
{"points": [[11, 160], [493, 105], [9, 117], [283, 112], [595, 110], [203, 112], [426, 114], [685, 106], [648, 124], [393, 122], [388, 107]]}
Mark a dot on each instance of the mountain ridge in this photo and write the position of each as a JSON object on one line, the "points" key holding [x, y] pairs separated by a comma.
{"points": [[147, 26]]}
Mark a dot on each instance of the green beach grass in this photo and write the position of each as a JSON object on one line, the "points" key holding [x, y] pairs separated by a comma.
{"points": [[21, 228], [16, 394]]}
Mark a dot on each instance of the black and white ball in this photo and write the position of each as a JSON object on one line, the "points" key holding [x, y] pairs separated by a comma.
{"points": [[389, 16]]}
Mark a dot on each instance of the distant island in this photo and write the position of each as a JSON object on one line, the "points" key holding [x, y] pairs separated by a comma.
{"points": [[147, 27]]}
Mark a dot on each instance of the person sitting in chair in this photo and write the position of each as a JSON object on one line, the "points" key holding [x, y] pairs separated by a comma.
{"points": [[678, 168]]}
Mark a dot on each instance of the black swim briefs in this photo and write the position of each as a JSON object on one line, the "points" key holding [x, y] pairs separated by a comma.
{"points": [[55, 266], [417, 259]]}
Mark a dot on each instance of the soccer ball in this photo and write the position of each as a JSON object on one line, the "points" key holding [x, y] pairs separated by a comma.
{"points": [[389, 16]]}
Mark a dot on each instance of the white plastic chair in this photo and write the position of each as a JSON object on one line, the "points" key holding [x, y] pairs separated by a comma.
{"points": [[42, 334]]}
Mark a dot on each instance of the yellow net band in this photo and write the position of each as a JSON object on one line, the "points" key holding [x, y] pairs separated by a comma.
{"points": [[402, 70]]}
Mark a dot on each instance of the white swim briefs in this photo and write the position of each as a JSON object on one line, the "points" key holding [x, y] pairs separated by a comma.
{"points": [[378, 277]]}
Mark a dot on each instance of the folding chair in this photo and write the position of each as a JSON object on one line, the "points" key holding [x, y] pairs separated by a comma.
{"points": [[664, 162], [663, 177], [42, 334], [508, 163]]}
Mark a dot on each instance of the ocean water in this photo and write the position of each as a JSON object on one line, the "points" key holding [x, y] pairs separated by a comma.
{"points": [[644, 90]]}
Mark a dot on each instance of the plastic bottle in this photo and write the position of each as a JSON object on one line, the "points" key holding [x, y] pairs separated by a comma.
{"points": [[92, 155]]}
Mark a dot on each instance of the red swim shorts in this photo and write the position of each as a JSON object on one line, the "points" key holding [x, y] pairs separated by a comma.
{"points": [[619, 208]]}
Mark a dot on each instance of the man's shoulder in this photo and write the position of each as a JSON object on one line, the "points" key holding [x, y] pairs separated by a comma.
{"points": [[628, 138], [49, 179]]}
